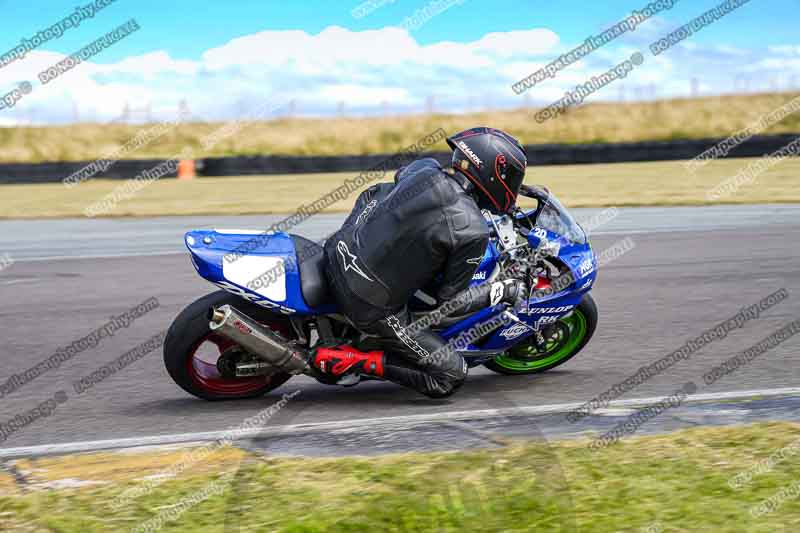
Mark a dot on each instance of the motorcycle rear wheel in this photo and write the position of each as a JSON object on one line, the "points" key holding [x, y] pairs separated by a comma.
{"points": [[574, 332], [192, 351]]}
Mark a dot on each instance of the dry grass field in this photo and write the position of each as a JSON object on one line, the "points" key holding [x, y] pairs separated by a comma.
{"points": [[626, 184], [660, 120]]}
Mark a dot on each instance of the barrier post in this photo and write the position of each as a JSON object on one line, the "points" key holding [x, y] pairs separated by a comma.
{"points": [[186, 169]]}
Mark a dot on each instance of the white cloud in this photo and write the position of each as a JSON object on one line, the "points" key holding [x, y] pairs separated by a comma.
{"points": [[369, 96], [334, 45], [362, 70], [785, 50], [150, 65]]}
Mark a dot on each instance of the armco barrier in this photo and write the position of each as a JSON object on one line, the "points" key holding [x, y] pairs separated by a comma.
{"points": [[55, 172], [538, 154]]}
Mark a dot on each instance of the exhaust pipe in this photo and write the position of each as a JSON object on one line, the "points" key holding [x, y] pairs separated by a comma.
{"points": [[257, 339]]}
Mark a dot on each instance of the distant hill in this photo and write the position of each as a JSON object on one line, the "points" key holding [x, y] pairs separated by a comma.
{"points": [[600, 122]]}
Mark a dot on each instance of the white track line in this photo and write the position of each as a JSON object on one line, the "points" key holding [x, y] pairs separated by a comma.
{"points": [[354, 425], [98, 256]]}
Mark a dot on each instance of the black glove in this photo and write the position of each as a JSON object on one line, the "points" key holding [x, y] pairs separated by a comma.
{"points": [[510, 291]]}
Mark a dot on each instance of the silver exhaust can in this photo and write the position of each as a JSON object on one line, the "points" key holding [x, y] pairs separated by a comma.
{"points": [[257, 339]]}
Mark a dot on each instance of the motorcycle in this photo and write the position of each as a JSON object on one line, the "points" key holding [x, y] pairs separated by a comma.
{"points": [[275, 306]]}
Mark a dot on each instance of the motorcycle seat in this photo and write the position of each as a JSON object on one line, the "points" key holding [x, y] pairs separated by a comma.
{"points": [[311, 265]]}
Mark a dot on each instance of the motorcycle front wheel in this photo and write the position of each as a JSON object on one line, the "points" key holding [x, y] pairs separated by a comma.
{"points": [[568, 338]]}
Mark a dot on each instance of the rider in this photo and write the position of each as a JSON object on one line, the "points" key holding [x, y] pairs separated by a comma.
{"points": [[425, 230]]}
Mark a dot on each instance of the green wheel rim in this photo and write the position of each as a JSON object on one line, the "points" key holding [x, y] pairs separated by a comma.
{"points": [[525, 357]]}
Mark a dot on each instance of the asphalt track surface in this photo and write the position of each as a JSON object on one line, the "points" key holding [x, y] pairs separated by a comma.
{"points": [[690, 269]]}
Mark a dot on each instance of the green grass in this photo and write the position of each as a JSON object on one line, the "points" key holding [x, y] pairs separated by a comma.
{"points": [[626, 184], [676, 481]]}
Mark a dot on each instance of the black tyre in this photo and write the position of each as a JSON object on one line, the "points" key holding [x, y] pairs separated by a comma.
{"points": [[571, 336], [189, 351]]}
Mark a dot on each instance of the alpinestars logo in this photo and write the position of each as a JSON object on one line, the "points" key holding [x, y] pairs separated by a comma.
{"points": [[349, 260], [496, 294], [469, 153]]}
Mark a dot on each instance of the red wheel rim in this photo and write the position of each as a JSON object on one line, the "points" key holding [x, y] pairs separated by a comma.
{"points": [[201, 364]]}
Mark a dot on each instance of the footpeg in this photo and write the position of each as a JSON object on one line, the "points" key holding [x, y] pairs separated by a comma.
{"points": [[349, 380]]}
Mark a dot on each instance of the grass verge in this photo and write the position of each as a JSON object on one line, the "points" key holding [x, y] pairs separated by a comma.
{"points": [[675, 482], [622, 184]]}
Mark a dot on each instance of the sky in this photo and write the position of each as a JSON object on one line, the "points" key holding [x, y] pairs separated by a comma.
{"points": [[224, 60]]}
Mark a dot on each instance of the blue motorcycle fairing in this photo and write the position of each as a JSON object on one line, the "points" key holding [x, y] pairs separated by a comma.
{"points": [[487, 264], [267, 274], [536, 312], [578, 256]]}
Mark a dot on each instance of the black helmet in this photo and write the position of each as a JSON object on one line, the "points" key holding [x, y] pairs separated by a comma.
{"points": [[495, 163]]}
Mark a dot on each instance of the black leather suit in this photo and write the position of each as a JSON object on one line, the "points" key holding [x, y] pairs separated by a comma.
{"points": [[398, 238]]}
